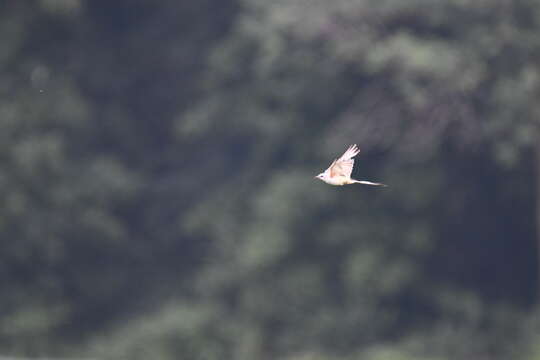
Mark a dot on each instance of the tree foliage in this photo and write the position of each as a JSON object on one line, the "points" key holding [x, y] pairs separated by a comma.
{"points": [[158, 200]]}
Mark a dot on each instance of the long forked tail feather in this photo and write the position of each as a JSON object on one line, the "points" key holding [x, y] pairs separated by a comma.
{"points": [[368, 183]]}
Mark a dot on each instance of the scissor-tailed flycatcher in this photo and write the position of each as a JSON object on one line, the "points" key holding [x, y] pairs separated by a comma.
{"points": [[339, 172]]}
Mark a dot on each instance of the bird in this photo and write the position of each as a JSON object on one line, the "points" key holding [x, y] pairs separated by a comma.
{"points": [[339, 172]]}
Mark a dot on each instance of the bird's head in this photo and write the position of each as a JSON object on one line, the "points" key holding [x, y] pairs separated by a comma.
{"points": [[321, 176]]}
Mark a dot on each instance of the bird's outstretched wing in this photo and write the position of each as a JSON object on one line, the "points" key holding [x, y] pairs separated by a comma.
{"points": [[344, 165]]}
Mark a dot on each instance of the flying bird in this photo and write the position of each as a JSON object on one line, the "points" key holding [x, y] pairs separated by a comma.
{"points": [[339, 172]]}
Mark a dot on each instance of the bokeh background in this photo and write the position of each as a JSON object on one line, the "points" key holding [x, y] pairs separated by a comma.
{"points": [[157, 198]]}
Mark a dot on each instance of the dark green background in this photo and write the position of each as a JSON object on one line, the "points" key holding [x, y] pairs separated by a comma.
{"points": [[157, 198]]}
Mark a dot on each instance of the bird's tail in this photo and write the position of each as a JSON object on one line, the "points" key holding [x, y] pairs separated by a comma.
{"points": [[367, 183]]}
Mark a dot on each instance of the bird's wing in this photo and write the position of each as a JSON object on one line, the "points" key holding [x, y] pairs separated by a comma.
{"points": [[344, 165]]}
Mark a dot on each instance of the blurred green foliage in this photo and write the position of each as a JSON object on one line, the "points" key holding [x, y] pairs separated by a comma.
{"points": [[157, 163]]}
